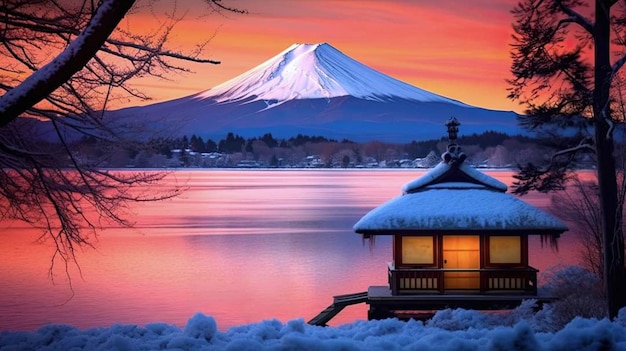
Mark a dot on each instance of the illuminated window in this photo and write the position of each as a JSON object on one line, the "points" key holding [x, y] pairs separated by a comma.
{"points": [[505, 249], [417, 250]]}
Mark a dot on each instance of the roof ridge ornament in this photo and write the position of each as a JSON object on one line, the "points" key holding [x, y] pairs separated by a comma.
{"points": [[454, 155]]}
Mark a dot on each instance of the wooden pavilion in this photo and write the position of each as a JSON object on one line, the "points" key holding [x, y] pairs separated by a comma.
{"points": [[459, 240]]}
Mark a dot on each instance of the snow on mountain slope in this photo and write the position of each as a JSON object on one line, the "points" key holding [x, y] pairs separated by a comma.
{"points": [[313, 71]]}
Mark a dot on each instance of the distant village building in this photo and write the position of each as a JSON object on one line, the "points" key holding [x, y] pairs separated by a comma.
{"points": [[248, 164], [313, 161]]}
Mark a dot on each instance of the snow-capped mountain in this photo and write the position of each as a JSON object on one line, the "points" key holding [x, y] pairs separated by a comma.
{"points": [[314, 89], [315, 71]]}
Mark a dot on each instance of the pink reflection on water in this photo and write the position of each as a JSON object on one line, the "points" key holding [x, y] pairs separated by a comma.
{"points": [[141, 280], [241, 246]]}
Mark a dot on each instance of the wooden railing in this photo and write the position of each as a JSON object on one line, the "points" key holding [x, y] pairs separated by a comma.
{"points": [[423, 280]]}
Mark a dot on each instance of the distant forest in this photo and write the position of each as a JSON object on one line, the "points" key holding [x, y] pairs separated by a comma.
{"points": [[489, 149]]}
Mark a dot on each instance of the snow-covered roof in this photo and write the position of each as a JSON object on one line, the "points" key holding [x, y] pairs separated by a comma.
{"points": [[461, 207], [455, 197], [444, 172]]}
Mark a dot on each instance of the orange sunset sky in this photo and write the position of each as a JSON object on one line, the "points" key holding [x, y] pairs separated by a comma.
{"points": [[459, 49]]}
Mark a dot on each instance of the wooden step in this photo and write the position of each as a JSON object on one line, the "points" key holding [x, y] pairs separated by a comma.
{"points": [[339, 303]]}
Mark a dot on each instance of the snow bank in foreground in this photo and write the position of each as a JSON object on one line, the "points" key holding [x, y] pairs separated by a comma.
{"points": [[448, 330]]}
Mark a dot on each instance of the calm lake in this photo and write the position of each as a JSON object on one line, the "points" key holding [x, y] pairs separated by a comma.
{"points": [[239, 245]]}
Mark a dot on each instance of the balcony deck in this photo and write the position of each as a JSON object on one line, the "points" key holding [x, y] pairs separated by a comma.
{"points": [[420, 291], [522, 281]]}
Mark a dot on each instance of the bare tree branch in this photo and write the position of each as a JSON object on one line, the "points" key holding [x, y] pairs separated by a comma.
{"points": [[63, 61], [584, 144], [618, 64], [576, 17], [47, 79]]}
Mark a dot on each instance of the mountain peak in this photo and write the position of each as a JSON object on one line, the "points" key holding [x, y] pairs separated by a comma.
{"points": [[314, 71]]}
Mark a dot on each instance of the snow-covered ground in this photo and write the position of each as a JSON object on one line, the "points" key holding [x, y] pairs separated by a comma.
{"points": [[447, 330]]}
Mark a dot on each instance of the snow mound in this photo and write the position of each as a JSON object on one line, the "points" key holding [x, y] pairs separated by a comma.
{"points": [[314, 71], [473, 331]]}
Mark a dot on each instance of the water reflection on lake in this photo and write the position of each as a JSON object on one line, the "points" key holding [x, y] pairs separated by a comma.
{"points": [[242, 246]]}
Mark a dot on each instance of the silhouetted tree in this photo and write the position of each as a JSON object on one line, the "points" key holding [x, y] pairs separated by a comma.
{"points": [[357, 155], [417, 149], [232, 143], [249, 148], [274, 161], [211, 146], [345, 161], [197, 144], [184, 158], [269, 140], [162, 146], [485, 140], [184, 143], [566, 72], [579, 205], [63, 62], [300, 140]]}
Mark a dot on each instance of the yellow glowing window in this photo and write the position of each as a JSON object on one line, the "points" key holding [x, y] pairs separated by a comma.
{"points": [[417, 250], [505, 249]]}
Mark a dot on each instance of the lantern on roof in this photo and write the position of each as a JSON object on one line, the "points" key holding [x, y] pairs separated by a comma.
{"points": [[453, 128]]}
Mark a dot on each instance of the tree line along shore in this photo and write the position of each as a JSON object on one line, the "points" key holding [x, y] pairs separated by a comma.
{"points": [[489, 149]]}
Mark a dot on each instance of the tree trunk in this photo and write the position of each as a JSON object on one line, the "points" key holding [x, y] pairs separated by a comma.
{"points": [[613, 244]]}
